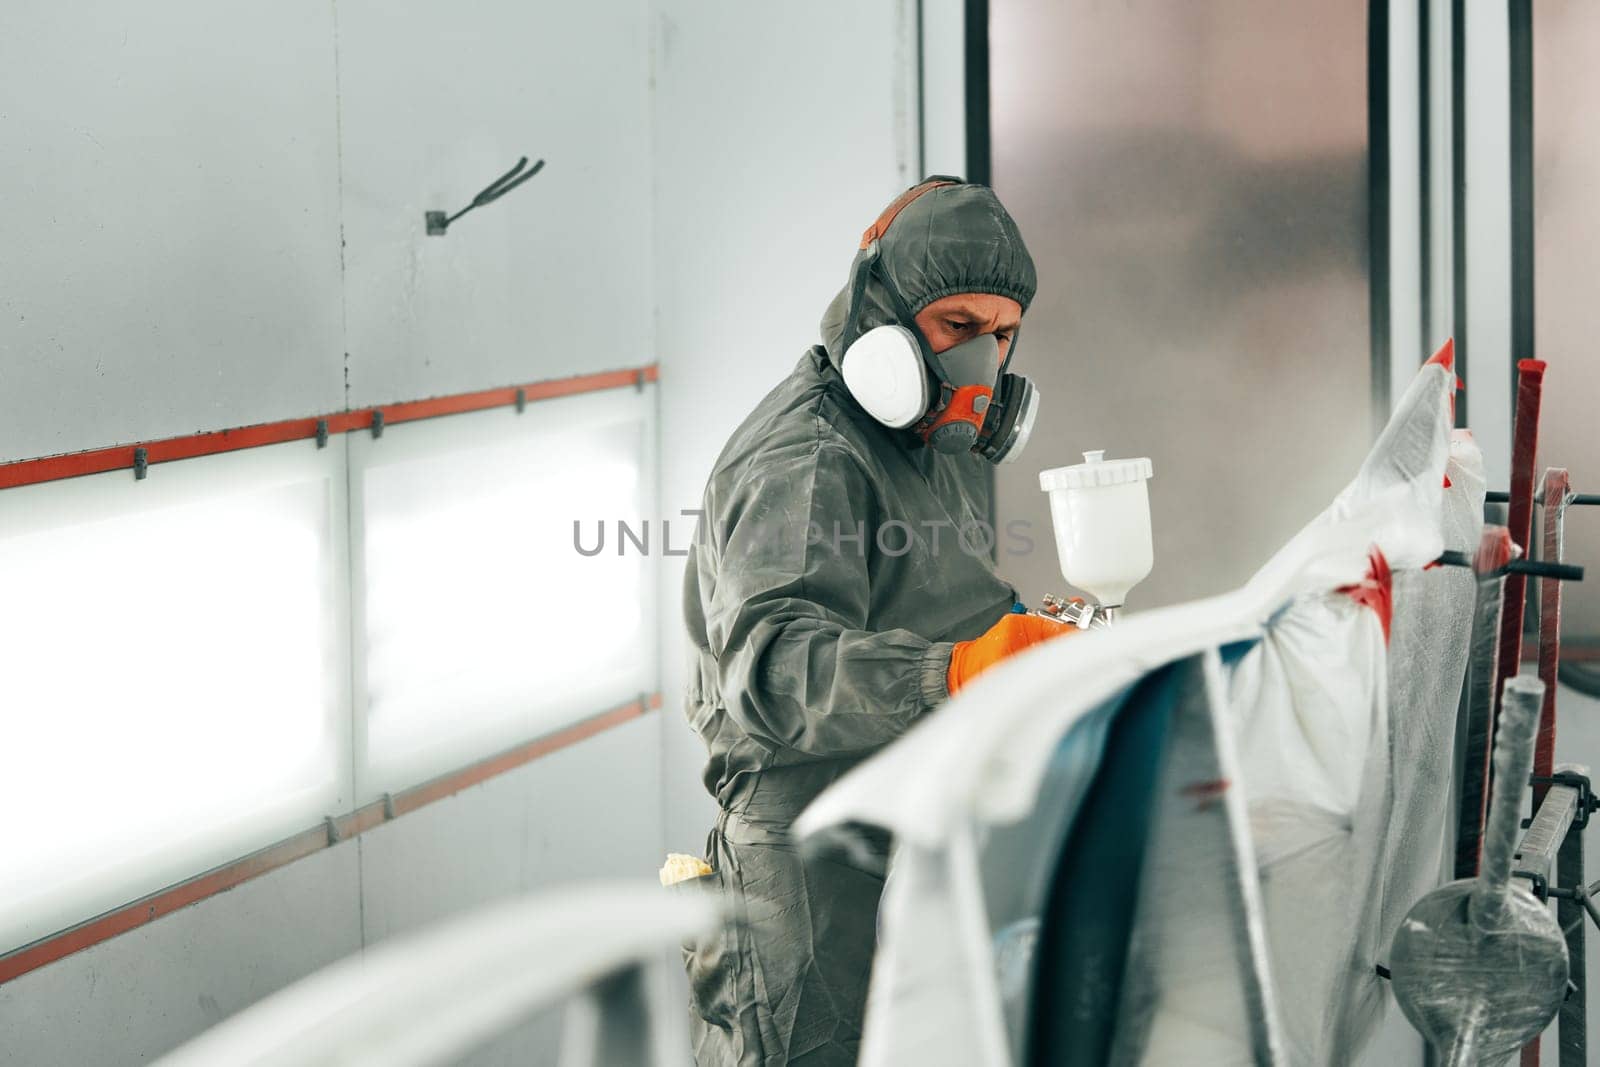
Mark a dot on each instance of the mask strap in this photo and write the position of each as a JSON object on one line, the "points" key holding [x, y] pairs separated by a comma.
{"points": [[869, 257], [903, 313], [859, 273], [858, 288], [880, 225]]}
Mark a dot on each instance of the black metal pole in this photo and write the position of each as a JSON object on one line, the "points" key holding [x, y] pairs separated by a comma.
{"points": [[1573, 1031]]}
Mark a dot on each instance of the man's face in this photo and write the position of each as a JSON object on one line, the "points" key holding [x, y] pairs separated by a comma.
{"points": [[952, 319]]}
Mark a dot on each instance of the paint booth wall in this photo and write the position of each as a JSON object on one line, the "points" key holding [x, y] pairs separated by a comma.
{"points": [[214, 217], [257, 215], [768, 167], [214, 212], [1192, 182], [579, 813]]}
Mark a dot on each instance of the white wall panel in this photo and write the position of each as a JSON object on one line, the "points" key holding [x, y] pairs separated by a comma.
{"points": [[1440, 166], [552, 280], [142, 994], [944, 87], [1490, 363], [780, 133], [169, 244], [480, 624], [590, 811], [175, 682], [1409, 341]]}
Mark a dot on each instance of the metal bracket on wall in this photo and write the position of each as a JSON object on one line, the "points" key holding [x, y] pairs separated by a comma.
{"points": [[438, 223], [522, 401], [141, 464], [638, 380], [322, 433], [377, 422]]}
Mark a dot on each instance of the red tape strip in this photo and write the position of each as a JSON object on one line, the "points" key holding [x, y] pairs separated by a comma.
{"points": [[1376, 590]]}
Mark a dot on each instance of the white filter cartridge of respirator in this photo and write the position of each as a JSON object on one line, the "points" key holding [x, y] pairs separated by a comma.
{"points": [[1101, 512]]}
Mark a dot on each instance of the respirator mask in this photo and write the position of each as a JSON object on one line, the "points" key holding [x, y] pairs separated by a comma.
{"points": [[958, 400]]}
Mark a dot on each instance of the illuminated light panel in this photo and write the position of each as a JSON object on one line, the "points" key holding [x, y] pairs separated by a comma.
{"points": [[173, 675], [480, 625]]}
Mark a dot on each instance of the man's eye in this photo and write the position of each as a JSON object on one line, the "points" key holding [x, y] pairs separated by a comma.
{"points": [[956, 324]]}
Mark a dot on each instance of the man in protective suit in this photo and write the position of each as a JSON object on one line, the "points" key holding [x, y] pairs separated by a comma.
{"points": [[840, 586]]}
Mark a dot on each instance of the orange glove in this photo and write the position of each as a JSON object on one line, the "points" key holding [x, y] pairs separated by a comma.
{"points": [[1012, 634]]}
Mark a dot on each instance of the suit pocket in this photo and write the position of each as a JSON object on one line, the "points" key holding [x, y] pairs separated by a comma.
{"points": [[710, 960]]}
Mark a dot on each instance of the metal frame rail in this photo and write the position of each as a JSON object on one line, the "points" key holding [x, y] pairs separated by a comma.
{"points": [[1551, 856], [1550, 860]]}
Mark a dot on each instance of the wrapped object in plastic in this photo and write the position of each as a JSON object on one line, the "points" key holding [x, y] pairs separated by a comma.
{"points": [[1480, 965], [1346, 746], [1297, 675]]}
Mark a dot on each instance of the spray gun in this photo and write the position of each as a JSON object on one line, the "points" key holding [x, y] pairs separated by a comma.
{"points": [[1101, 513], [1073, 611]]}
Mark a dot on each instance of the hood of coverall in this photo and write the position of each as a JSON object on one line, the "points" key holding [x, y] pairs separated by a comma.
{"points": [[952, 239]]}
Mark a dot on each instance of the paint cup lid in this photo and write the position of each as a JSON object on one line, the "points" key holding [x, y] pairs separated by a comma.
{"points": [[1096, 471]]}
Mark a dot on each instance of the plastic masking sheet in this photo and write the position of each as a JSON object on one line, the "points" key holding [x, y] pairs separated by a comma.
{"points": [[1323, 713], [1347, 747]]}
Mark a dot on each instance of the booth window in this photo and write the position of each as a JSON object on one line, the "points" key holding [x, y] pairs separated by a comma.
{"points": [[174, 687], [243, 647]]}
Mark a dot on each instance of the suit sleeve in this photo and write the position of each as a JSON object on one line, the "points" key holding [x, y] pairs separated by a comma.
{"points": [[787, 621]]}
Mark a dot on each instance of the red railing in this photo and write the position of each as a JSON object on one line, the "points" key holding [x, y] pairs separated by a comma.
{"points": [[127, 457]]}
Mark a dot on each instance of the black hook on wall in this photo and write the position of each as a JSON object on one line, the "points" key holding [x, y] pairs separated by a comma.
{"points": [[438, 223]]}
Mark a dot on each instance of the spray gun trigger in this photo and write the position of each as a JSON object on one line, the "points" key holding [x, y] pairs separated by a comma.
{"points": [[1073, 611]]}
